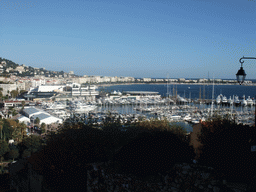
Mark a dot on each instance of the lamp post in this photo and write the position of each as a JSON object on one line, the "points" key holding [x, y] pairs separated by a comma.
{"points": [[240, 76]]}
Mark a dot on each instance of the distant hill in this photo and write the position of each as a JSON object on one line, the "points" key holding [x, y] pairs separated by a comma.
{"points": [[29, 71], [9, 63]]}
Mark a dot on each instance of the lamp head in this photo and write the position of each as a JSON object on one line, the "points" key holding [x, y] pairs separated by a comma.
{"points": [[240, 76]]}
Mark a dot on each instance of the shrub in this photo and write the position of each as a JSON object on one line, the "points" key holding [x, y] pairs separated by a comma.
{"points": [[154, 152], [227, 148]]}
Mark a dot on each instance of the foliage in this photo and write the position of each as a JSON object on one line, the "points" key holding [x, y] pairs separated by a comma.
{"points": [[26, 153], [153, 152], [13, 154], [14, 112], [14, 93], [13, 129], [4, 147], [226, 147], [43, 126], [33, 143], [37, 121], [23, 104], [77, 143], [22, 91], [1, 128]]}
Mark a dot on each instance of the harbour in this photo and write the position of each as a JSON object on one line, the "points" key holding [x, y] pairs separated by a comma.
{"points": [[185, 111]]}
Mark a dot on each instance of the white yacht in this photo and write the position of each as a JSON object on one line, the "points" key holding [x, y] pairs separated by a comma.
{"points": [[244, 102], [181, 99], [230, 101], [175, 117], [224, 100], [249, 101], [218, 99], [84, 108], [237, 101], [195, 121], [187, 118]]}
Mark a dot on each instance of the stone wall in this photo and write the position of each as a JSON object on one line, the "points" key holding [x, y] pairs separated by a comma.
{"points": [[183, 177]]}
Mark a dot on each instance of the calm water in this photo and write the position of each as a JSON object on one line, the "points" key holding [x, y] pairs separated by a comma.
{"points": [[189, 91]]}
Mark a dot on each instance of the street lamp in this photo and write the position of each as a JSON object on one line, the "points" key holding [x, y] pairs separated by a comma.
{"points": [[240, 76]]}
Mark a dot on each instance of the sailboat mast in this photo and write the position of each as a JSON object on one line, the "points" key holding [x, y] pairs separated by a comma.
{"points": [[212, 97], [199, 93], [167, 94], [204, 93]]}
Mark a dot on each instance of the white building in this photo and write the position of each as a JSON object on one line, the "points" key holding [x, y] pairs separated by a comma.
{"points": [[37, 82], [48, 88], [24, 119], [89, 92], [146, 79], [32, 113]]}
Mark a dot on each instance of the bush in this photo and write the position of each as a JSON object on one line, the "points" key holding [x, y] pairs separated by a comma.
{"points": [[227, 148], [151, 153]]}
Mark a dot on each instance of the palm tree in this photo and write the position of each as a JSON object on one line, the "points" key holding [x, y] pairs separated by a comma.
{"points": [[23, 129], [23, 104]]}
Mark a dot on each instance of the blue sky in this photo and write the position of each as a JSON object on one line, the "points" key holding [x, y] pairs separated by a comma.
{"points": [[138, 38]]}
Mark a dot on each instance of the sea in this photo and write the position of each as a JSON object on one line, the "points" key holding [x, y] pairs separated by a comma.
{"points": [[184, 90], [188, 90]]}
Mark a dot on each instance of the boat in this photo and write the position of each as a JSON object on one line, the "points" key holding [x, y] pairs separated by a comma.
{"points": [[175, 117], [195, 121], [181, 99], [230, 101], [237, 101], [243, 102], [224, 100], [249, 101], [218, 99], [84, 108], [187, 118]]}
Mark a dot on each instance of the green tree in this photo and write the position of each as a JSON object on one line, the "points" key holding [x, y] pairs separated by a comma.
{"points": [[1, 128], [13, 154], [4, 148], [14, 112], [23, 104], [32, 143], [22, 91], [14, 93], [23, 129], [26, 153], [43, 126], [37, 121], [226, 147]]}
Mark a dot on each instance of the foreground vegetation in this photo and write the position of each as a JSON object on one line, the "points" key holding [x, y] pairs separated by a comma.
{"points": [[143, 148], [227, 148]]}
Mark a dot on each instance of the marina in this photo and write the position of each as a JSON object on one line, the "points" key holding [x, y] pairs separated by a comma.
{"points": [[183, 105], [177, 110]]}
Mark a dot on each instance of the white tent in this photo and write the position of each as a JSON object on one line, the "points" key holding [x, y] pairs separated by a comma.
{"points": [[24, 119]]}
